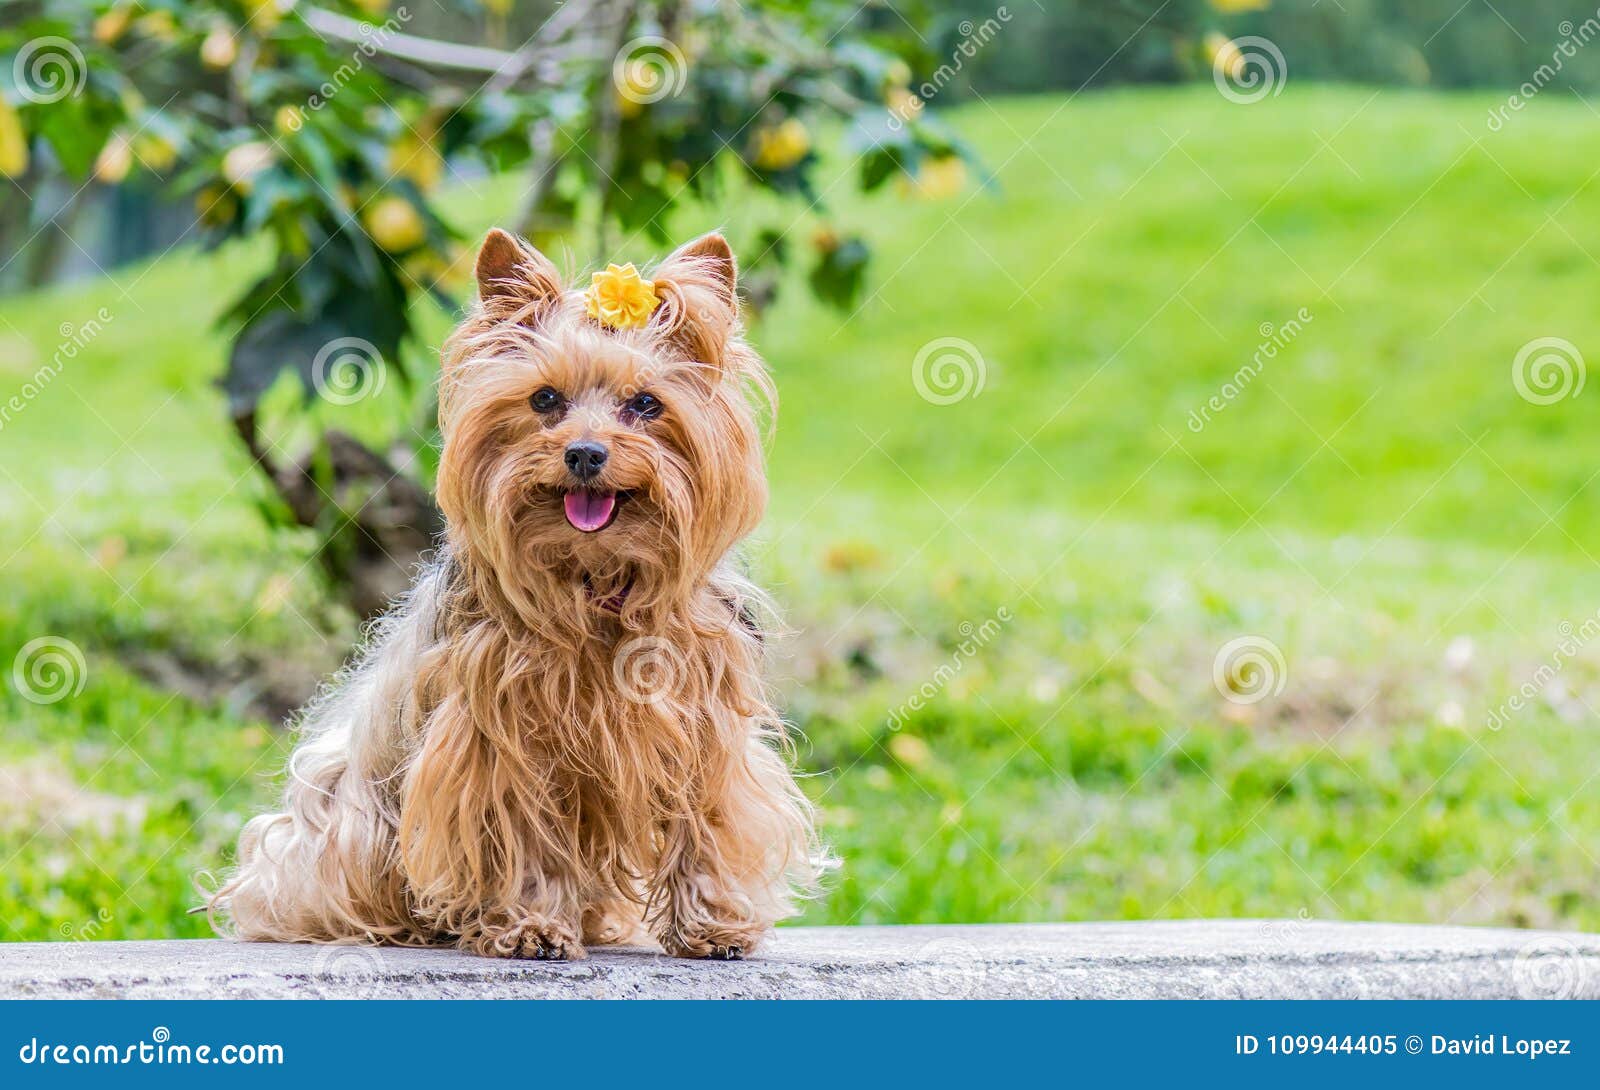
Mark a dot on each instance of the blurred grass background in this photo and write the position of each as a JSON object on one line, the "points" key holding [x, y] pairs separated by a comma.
{"points": [[1378, 502]]}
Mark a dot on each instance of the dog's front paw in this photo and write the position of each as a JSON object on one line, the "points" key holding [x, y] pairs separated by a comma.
{"points": [[716, 944], [532, 939]]}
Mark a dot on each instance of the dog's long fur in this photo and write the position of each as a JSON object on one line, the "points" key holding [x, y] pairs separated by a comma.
{"points": [[559, 737]]}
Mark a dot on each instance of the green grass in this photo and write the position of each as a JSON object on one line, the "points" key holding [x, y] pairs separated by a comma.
{"points": [[1378, 502]]}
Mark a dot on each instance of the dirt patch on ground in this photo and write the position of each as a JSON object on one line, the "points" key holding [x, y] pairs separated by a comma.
{"points": [[38, 796]]}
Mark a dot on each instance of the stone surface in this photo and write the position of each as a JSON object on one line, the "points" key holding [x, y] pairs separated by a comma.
{"points": [[1175, 959]]}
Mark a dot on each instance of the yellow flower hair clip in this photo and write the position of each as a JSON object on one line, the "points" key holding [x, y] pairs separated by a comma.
{"points": [[620, 298]]}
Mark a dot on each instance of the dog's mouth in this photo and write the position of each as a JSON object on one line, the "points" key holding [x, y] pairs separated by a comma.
{"points": [[590, 511]]}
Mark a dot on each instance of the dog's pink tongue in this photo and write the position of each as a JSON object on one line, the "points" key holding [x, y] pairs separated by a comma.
{"points": [[588, 511]]}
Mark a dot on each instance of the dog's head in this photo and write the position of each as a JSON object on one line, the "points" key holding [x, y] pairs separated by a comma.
{"points": [[580, 450]]}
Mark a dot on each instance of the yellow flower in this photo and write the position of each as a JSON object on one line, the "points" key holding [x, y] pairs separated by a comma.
{"points": [[620, 298]]}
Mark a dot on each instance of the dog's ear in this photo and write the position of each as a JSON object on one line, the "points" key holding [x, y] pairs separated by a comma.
{"points": [[513, 275], [698, 285], [709, 260]]}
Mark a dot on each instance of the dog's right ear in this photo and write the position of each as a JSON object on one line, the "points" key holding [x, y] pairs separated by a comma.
{"points": [[513, 275]]}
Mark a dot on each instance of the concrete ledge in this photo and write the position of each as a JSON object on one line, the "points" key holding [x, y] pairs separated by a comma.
{"points": [[1177, 959]]}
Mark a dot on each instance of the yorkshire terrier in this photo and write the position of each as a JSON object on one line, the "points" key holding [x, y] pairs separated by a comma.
{"points": [[560, 736]]}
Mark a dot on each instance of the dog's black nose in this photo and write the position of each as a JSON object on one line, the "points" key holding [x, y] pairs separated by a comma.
{"points": [[584, 459]]}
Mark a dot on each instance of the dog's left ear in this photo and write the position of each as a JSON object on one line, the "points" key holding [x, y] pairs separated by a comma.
{"points": [[698, 285], [710, 260]]}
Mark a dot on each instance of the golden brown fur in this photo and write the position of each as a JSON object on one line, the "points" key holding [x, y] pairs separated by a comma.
{"points": [[559, 737]]}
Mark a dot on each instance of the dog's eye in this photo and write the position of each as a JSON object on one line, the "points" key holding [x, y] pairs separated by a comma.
{"points": [[545, 400], [644, 406]]}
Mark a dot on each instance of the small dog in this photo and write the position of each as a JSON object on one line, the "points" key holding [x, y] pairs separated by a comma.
{"points": [[560, 736]]}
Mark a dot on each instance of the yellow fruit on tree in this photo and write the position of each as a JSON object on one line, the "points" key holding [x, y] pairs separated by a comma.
{"points": [[112, 25], [159, 25], [244, 161], [903, 103], [395, 224], [415, 157], [899, 73], [779, 147], [155, 151], [220, 49], [13, 142], [115, 160], [1232, 7], [265, 14], [288, 120], [372, 7], [1222, 55], [215, 204], [938, 179]]}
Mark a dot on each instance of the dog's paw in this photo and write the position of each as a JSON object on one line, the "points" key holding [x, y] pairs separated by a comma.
{"points": [[540, 942], [722, 944]]}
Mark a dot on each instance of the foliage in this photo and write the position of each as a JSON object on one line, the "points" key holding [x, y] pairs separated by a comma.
{"points": [[330, 131]]}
